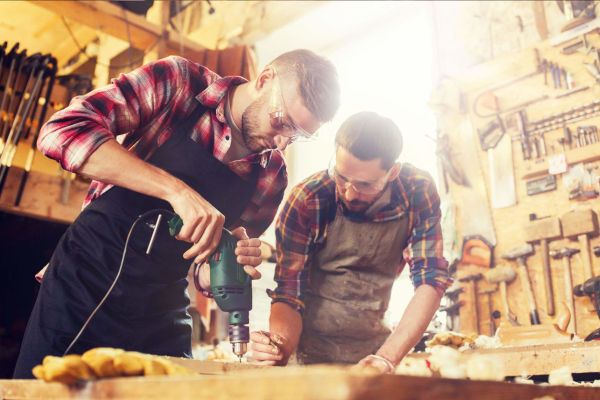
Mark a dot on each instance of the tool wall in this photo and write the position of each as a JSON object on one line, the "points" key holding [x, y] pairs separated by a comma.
{"points": [[519, 152]]}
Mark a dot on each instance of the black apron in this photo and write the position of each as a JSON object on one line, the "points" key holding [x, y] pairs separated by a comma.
{"points": [[147, 309]]}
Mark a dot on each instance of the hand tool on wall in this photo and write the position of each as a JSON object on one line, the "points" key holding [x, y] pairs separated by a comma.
{"points": [[50, 76], [489, 292], [452, 314], [543, 230], [9, 97], [565, 254], [448, 163], [37, 66], [503, 275], [478, 251], [541, 185], [476, 217], [591, 288], [471, 280], [580, 224], [520, 254]]}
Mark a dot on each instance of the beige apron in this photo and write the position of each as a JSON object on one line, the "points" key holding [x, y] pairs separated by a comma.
{"points": [[351, 279]]}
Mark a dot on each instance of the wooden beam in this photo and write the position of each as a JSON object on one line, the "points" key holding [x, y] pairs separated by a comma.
{"points": [[113, 20]]}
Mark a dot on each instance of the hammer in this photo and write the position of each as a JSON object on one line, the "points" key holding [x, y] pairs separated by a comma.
{"points": [[473, 278], [543, 230], [565, 253], [503, 275], [490, 307], [520, 254]]}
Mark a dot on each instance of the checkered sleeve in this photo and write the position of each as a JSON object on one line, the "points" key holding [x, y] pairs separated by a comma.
{"points": [[294, 237], [130, 101], [424, 253]]}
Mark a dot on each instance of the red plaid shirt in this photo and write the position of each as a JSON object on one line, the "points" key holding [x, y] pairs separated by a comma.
{"points": [[142, 108]]}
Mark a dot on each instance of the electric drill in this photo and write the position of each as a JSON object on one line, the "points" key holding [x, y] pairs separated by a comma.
{"points": [[231, 287], [591, 288]]}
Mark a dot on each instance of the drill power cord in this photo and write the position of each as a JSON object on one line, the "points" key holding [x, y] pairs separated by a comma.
{"points": [[138, 219]]}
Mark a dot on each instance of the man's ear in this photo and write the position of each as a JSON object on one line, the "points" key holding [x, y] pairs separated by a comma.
{"points": [[394, 171], [266, 75]]}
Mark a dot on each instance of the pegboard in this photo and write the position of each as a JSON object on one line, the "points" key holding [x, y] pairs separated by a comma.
{"points": [[517, 83]]}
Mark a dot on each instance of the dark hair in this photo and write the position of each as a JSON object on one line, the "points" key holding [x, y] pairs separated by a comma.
{"points": [[317, 81], [367, 136]]}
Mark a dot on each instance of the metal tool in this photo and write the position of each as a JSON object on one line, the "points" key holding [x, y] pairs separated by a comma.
{"points": [[541, 185], [489, 292], [503, 275], [520, 254], [580, 224], [478, 251], [477, 218], [472, 280], [591, 288], [231, 287], [566, 253], [543, 230]]}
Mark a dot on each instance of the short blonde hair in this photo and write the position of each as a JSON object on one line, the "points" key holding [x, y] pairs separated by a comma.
{"points": [[317, 81]]}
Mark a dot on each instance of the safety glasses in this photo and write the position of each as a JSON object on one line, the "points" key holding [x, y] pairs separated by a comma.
{"points": [[364, 187], [281, 121]]}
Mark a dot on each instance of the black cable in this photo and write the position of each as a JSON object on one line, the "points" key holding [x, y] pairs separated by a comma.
{"points": [[85, 324], [130, 65]]}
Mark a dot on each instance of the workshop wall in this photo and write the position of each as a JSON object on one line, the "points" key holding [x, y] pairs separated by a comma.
{"points": [[517, 180]]}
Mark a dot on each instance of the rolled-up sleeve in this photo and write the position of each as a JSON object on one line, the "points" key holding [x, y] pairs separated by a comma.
{"points": [[424, 253], [130, 101]]}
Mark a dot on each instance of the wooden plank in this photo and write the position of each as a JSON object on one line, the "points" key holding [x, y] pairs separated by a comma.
{"points": [[113, 20], [315, 383], [541, 359]]}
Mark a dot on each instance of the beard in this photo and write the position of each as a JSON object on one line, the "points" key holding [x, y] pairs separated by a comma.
{"points": [[253, 140]]}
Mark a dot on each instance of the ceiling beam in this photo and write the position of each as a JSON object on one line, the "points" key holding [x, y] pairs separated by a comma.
{"points": [[113, 20]]}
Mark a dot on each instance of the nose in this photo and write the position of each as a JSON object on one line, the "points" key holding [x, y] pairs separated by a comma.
{"points": [[349, 193], [281, 142]]}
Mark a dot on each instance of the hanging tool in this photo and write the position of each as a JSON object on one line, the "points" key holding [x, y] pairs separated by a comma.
{"points": [[50, 74], [10, 89], [591, 288], [503, 275], [489, 292], [543, 230], [37, 66], [580, 224], [478, 251], [520, 254], [476, 219], [231, 287], [566, 253], [471, 280]]}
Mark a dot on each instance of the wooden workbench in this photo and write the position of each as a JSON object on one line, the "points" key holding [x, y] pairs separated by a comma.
{"points": [[542, 359], [298, 383]]}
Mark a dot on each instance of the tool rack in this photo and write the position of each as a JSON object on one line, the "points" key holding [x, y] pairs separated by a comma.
{"points": [[533, 114]]}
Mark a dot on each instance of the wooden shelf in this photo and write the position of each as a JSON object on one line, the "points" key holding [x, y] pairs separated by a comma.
{"points": [[578, 155]]}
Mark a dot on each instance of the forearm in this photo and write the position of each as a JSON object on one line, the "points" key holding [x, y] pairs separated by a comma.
{"points": [[287, 322], [113, 164], [415, 319]]}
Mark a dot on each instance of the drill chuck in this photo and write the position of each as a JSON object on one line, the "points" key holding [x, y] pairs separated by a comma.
{"points": [[239, 336]]}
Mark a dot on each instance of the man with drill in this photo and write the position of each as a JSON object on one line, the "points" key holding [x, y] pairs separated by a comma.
{"points": [[204, 147], [343, 236]]}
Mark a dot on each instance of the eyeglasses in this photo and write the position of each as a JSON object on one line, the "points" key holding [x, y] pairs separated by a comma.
{"points": [[364, 187], [280, 118]]}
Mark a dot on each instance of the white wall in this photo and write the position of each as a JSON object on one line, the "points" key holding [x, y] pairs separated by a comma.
{"points": [[384, 54]]}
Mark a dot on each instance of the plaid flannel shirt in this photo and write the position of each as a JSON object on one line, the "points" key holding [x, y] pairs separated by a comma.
{"points": [[143, 108], [302, 224]]}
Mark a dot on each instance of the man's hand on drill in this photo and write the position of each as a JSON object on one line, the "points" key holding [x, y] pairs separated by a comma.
{"points": [[248, 254], [202, 223]]}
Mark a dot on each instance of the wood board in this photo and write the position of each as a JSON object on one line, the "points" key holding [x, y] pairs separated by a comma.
{"points": [[298, 383]]}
